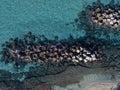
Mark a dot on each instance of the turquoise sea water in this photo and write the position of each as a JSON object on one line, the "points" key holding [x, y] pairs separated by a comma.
{"points": [[48, 17]]}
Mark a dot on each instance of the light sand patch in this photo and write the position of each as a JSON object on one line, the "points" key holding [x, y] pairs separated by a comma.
{"points": [[102, 86]]}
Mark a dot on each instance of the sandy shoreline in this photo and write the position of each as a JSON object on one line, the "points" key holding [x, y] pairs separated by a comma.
{"points": [[86, 79], [102, 86]]}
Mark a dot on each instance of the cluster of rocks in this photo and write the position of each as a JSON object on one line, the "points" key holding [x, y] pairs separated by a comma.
{"points": [[33, 49], [99, 19], [106, 15]]}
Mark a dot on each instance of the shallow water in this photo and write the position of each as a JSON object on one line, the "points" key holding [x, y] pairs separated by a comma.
{"points": [[48, 17]]}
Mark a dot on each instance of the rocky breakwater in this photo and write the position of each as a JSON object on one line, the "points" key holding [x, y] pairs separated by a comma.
{"points": [[101, 19], [51, 56]]}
